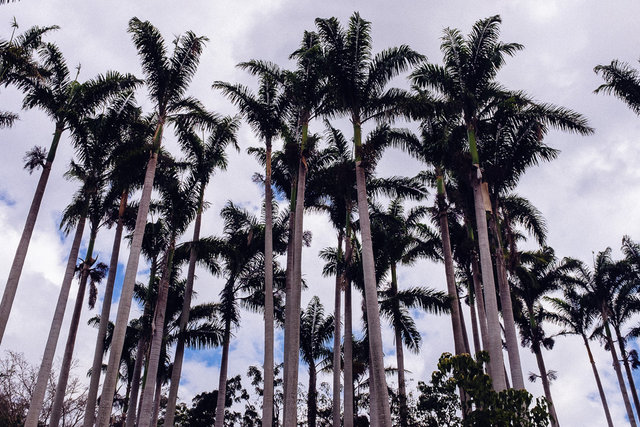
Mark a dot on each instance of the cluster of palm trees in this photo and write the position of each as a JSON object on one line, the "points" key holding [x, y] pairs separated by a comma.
{"points": [[475, 137]]}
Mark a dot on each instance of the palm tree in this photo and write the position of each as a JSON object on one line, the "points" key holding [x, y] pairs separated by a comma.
{"points": [[600, 286], [621, 80], [204, 158], [358, 83], [537, 275], [576, 317], [264, 113], [66, 101], [315, 331], [167, 79]]}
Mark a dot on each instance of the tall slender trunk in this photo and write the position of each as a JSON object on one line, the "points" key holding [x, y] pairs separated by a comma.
{"points": [[513, 348], [222, 382], [603, 398], [157, 336], [21, 252], [63, 377], [96, 367], [463, 326], [380, 400], [545, 385], [156, 404], [479, 298], [337, 300], [268, 365], [292, 340], [456, 320], [348, 331], [124, 305], [37, 398], [627, 368], [312, 396], [474, 322], [289, 272], [184, 316], [616, 367], [135, 384], [402, 387]]}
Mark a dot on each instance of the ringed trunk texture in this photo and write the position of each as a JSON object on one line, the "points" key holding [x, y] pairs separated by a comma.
{"points": [[37, 398], [348, 337], [21, 252], [616, 367], [96, 367], [627, 368], [222, 382], [63, 377], [494, 341], [292, 340], [336, 337], [513, 349], [184, 319], [124, 306], [268, 365], [603, 398], [380, 398], [146, 407], [546, 386]]}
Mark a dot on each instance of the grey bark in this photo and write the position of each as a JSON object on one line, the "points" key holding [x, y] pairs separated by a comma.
{"points": [[348, 336], [337, 300], [267, 397], [124, 306], [545, 385], [616, 367], [135, 384], [474, 325], [627, 368], [479, 297], [156, 404], [603, 397], [37, 398], [222, 382], [312, 396]]}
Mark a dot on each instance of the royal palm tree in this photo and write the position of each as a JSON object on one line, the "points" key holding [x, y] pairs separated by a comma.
{"points": [[572, 312], [66, 101], [315, 331], [167, 79], [621, 80], [264, 113], [358, 82]]}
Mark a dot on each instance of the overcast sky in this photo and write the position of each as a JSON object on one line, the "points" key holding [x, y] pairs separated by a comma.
{"points": [[588, 195]]}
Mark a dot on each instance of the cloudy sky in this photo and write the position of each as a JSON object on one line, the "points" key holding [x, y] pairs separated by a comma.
{"points": [[588, 195]]}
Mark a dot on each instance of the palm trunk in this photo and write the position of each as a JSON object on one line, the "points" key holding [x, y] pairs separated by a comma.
{"points": [[146, 407], [124, 306], [513, 348], [478, 292], [156, 404], [627, 368], [292, 340], [222, 382], [474, 323], [37, 397], [348, 332], [603, 398], [21, 252], [184, 317], [545, 384], [289, 272], [63, 377], [402, 387], [268, 365], [380, 400], [312, 397], [616, 367], [336, 335], [463, 326], [456, 320], [96, 367], [135, 384], [494, 341]]}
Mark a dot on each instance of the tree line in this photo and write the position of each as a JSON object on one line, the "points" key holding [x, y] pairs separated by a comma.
{"points": [[475, 138]]}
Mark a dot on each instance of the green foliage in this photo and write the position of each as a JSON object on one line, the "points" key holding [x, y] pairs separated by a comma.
{"points": [[438, 403]]}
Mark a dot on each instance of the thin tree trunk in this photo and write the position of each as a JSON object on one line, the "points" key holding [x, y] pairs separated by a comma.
{"points": [[156, 404], [479, 297], [21, 252], [616, 367], [289, 272], [63, 377], [96, 367], [124, 306], [456, 321], [474, 324], [135, 384], [402, 388], [312, 397], [37, 398], [184, 317], [292, 341], [545, 385], [222, 382], [336, 334], [380, 400], [146, 407], [463, 326], [494, 341], [627, 368], [348, 333], [511, 336], [603, 398], [268, 365]]}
